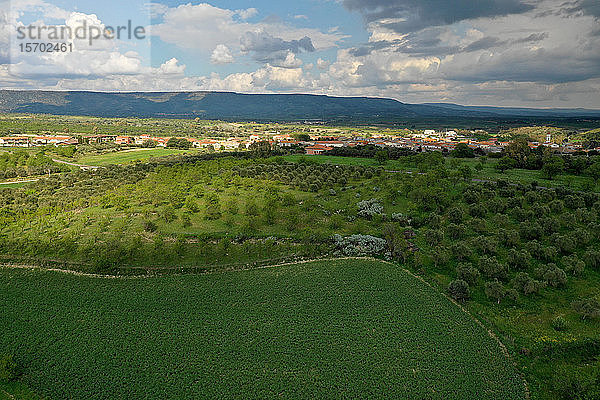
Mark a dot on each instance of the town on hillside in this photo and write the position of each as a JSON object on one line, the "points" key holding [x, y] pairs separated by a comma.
{"points": [[312, 144]]}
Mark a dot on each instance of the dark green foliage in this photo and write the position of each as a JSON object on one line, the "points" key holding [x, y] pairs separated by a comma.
{"points": [[518, 260], [587, 308], [179, 143], [552, 166], [592, 259], [577, 384], [468, 273], [456, 215], [560, 324], [236, 334], [495, 291], [491, 268], [9, 370], [573, 265], [149, 226], [525, 284], [462, 150], [459, 290], [552, 275]]}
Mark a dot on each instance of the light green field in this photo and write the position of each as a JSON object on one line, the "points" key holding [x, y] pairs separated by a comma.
{"points": [[14, 185], [328, 329], [128, 156]]}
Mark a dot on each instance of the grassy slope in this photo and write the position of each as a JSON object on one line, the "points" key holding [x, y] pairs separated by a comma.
{"points": [[324, 329]]}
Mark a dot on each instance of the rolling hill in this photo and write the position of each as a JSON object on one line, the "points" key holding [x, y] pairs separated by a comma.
{"points": [[235, 106]]}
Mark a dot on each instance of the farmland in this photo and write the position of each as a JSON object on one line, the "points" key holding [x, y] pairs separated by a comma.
{"points": [[127, 156], [523, 260], [334, 329]]}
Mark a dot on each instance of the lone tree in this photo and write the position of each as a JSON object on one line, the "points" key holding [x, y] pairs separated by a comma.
{"points": [[459, 290], [382, 156], [176, 143], [594, 171], [553, 166], [506, 163], [462, 150], [495, 291]]}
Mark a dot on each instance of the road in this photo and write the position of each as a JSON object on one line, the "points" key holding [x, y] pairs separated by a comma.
{"points": [[25, 181], [83, 167]]}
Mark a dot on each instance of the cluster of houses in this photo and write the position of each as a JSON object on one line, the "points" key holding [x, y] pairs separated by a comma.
{"points": [[427, 140], [33, 141]]}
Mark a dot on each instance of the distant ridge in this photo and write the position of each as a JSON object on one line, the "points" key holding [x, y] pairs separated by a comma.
{"points": [[258, 107]]}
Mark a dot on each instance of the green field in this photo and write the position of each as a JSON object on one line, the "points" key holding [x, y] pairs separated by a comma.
{"points": [[489, 171], [14, 185], [124, 157], [328, 329]]}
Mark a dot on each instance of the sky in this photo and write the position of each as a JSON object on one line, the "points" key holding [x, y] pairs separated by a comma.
{"points": [[530, 53]]}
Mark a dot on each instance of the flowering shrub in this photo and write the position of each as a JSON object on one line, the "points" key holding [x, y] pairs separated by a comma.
{"points": [[359, 245], [369, 208]]}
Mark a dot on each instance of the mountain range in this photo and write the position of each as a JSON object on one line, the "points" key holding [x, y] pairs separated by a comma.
{"points": [[254, 107]]}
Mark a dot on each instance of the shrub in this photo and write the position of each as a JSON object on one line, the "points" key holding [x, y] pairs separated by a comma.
{"points": [[525, 284], [559, 324], [251, 208], [509, 238], [461, 251], [554, 276], [433, 236], [360, 245], [456, 215], [9, 370], [459, 290], [573, 265], [369, 208], [487, 245], [565, 243], [592, 259], [572, 384], [401, 218], [455, 231], [186, 221], [587, 308], [518, 260], [468, 273], [495, 291], [492, 268], [149, 226]]}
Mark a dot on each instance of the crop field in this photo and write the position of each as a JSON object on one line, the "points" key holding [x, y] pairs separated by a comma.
{"points": [[327, 329], [128, 156]]}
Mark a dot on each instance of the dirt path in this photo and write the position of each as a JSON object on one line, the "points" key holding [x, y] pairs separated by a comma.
{"points": [[84, 167], [25, 181]]}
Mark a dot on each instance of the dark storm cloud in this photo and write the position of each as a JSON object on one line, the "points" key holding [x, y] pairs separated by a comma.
{"points": [[417, 45], [419, 14], [586, 7], [267, 48], [489, 42], [574, 8]]}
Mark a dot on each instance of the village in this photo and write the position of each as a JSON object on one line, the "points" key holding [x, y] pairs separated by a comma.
{"points": [[313, 144]]}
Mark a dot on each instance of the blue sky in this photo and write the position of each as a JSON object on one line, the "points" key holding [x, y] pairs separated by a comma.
{"points": [[542, 53]]}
